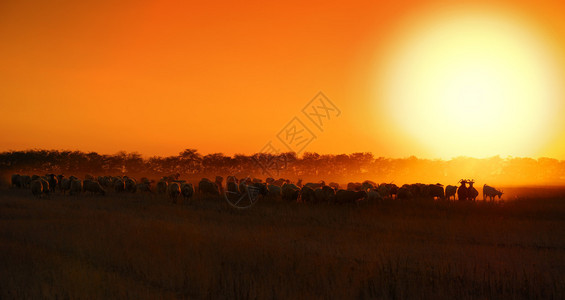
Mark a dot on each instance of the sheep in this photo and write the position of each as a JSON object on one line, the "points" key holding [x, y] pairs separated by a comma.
{"points": [[280, 182], [130, 184], [232, 184], [143, 187], [75, 186], [367, 184], [325, 195], [274, 190], [354, 186], [187, 190], [450, 191], [16, 181], [307, 194], [259, 188], [25, 180], [404, 192], [119, 185], [290, 192], [65, 184], [36, 188], [232, 187], [346, 196], [384, 190], [206, 186], [173, 191], [105, 181], [162, 186], [334, 185], [45, 185], [52, 179], [435, 191], [373, 196], [315, 185], [93, 187]]}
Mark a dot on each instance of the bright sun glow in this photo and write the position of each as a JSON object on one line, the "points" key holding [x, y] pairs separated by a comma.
{"points": [[472, 83]]}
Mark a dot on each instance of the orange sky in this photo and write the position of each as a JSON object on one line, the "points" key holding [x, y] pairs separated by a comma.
{"points": [[160, 76]]}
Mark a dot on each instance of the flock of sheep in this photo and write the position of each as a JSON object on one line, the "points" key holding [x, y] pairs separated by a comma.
{"points": [[284, 189]]}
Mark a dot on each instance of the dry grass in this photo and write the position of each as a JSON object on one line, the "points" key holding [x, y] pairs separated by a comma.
{"points": [[144, 247]]}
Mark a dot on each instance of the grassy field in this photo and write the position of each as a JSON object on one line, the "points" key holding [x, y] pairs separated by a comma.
{"points": [[142, 246]]}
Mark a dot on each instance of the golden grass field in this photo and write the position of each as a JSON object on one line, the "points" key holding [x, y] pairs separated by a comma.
{"points": [[143, 246]]}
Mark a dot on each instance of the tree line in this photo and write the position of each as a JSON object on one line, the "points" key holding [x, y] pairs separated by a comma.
{"points": [[189, 163]]}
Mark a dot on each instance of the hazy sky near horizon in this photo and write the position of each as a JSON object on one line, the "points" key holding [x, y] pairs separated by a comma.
{"points": [[432, 79]]}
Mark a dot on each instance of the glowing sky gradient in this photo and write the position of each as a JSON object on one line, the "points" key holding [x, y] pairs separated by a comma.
{"points": [[160, 76]]}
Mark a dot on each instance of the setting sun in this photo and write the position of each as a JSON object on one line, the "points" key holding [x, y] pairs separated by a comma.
{"points": [[476, 83]]}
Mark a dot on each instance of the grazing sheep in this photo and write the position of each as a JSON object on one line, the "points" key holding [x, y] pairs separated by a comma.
{"points": [[314, 186], [274, 190], [16, 181], [119, 185], [173, 191], [130, 184], [450, 191], [232, 187], [435, 191], [325, 195], [75, 186], [36, 188], [258, 187], [218, 182], [334, 185], [187, 190], [143, 187], [206, 186], [280, 182], [60, 178], [162, 186], [45, 185], [489, 191], [373, 196], [368, 184], [232, 184], [93, 187], [25, 180], [65, 185], [52, 179], [105, 181], [346, 196], [307, 194], [354, 186], [290, 192], [384, 191], [404, 192]]}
